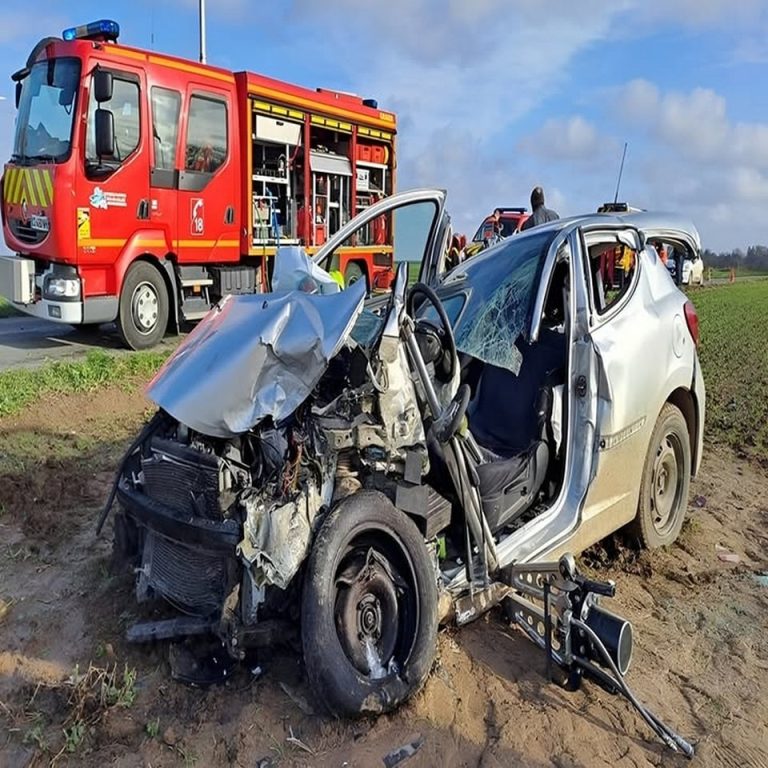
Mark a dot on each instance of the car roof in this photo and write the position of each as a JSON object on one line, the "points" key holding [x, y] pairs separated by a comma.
{"points": [[646, 221]]}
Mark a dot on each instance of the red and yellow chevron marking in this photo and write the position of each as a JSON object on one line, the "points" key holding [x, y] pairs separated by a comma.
{"points": [[35, 185]]}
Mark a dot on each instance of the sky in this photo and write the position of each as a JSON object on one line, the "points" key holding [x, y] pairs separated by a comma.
{"points": [[496, 96]]}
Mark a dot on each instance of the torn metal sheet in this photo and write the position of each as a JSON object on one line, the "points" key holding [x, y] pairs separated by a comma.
{"points": [[253, 357], [276, 538], [295, 271]]}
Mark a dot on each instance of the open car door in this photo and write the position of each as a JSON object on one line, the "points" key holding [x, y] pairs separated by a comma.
{"points": [[418, 223]]}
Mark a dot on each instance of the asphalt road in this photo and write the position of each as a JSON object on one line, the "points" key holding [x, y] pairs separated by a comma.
{"points": [[27, 342]]}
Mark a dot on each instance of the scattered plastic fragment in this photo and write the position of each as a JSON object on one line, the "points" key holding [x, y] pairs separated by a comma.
{"points": [[762, 579], [399, 755], [700, 501]]}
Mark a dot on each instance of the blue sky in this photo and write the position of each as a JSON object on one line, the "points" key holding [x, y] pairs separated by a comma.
{"points": [[495, 96]]}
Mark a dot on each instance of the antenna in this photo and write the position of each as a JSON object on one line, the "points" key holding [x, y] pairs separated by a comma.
{"points": [[202, 31], [621, 171]]}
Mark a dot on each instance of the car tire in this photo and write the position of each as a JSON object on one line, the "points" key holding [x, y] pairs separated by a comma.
{"points": [[368, 608], [665, 482], [352, 273], [143, 313]]}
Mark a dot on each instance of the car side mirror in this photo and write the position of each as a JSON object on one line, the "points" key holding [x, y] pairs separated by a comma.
{"points": [[105, 133], [102, 86]]}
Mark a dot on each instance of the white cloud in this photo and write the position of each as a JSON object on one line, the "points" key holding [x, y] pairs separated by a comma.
{"points": [[572, 139]]}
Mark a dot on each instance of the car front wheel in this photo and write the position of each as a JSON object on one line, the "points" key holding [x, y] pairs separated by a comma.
{"points": [[665, 481], [369, 608]]}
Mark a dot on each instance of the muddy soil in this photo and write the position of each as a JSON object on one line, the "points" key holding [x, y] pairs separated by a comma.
{"points": [[68, 694]]}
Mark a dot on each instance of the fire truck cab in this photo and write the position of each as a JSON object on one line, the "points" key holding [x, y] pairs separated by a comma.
{"points": [[142, 187]]}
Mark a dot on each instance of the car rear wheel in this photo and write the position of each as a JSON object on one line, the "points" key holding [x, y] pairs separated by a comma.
{"points": [[665, 481], [143, 315], [369, 608]]}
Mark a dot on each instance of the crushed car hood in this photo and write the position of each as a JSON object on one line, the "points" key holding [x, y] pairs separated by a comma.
{"points": [[254, 356]]}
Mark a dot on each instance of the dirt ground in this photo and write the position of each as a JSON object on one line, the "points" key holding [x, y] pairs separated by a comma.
{"points": [[68, 693]]}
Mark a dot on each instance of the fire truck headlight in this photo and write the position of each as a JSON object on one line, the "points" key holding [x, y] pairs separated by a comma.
{"points": [[62, 288]]}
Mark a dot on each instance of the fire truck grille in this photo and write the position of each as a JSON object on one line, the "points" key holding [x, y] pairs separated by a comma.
{"points": [[192, 581], [25, 233], [183, 478]]}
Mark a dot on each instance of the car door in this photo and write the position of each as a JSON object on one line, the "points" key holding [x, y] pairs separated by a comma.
{"points": [[418, 222], [208, 215], [558, 529], [626, 334]]}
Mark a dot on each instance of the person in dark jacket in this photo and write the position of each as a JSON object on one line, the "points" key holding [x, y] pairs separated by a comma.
{"points": [[541, 214]]}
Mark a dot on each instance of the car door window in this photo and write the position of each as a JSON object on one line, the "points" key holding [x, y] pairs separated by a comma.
{"points": [[613, 265], [207, 143], [166, 106], [411, 224], [124, 106]]}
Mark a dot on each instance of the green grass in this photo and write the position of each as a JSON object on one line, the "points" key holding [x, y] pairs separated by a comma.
{"points": [[7, 309], [734, 360], [718, 272], [18, 388]]}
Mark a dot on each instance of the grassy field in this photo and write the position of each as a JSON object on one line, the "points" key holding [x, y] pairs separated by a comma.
{"points": [[7, 309], [733, 352], [20, 387], [734, 359]]}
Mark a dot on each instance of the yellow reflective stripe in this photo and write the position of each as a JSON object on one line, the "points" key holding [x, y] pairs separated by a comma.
{"points": [[48, 185], [103, 242], [39, 188], [206, 243], [319, 107], [190, 68], [127, 53], [18, 185], [8, 183], [30, 185]]}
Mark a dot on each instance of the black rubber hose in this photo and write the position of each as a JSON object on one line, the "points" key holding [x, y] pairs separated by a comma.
{"points": [[667, 735]]}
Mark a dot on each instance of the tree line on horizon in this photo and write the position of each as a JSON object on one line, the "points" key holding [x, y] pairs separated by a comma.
{"points": [[755, 259]]}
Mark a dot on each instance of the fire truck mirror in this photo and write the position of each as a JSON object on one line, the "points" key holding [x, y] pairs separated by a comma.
{"points": [[102, 86], [105, 133]]}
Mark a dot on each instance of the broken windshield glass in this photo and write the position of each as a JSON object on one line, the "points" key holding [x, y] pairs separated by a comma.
{"points": [[503, 282]]}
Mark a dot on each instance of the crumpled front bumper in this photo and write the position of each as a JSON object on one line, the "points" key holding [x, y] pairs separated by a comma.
{"points": [[213, 535]]}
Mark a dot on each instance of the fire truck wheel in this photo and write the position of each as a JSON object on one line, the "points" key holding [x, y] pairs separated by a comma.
{"points": [[353, 273], [143, 315]]}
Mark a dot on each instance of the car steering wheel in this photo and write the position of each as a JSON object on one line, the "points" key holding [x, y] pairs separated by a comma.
{"points": [[445, 364]]}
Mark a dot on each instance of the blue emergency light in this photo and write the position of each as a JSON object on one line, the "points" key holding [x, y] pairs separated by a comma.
{"points": [[104, 29]]}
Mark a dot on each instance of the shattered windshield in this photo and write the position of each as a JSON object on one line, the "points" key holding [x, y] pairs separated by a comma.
{"points": [[47, 111], [503, 283]]}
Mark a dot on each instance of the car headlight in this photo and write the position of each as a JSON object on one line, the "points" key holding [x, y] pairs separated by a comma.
{"points": [[62, 288]]}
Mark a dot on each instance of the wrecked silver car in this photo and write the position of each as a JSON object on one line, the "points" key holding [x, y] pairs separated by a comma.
{"points": [[363, 469]]}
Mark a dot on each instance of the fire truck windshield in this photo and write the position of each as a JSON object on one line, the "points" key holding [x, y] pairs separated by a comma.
{"points": [[47, 111]]}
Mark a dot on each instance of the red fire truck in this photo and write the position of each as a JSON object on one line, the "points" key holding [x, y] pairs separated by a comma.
{"points": [[143, 187]]}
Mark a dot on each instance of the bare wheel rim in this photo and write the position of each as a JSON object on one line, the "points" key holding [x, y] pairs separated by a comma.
{"points": [[376, 606], [667, 483], [144, 307]]}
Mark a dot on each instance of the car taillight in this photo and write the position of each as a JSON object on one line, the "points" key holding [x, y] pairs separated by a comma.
{"points": [[692, 319]]}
